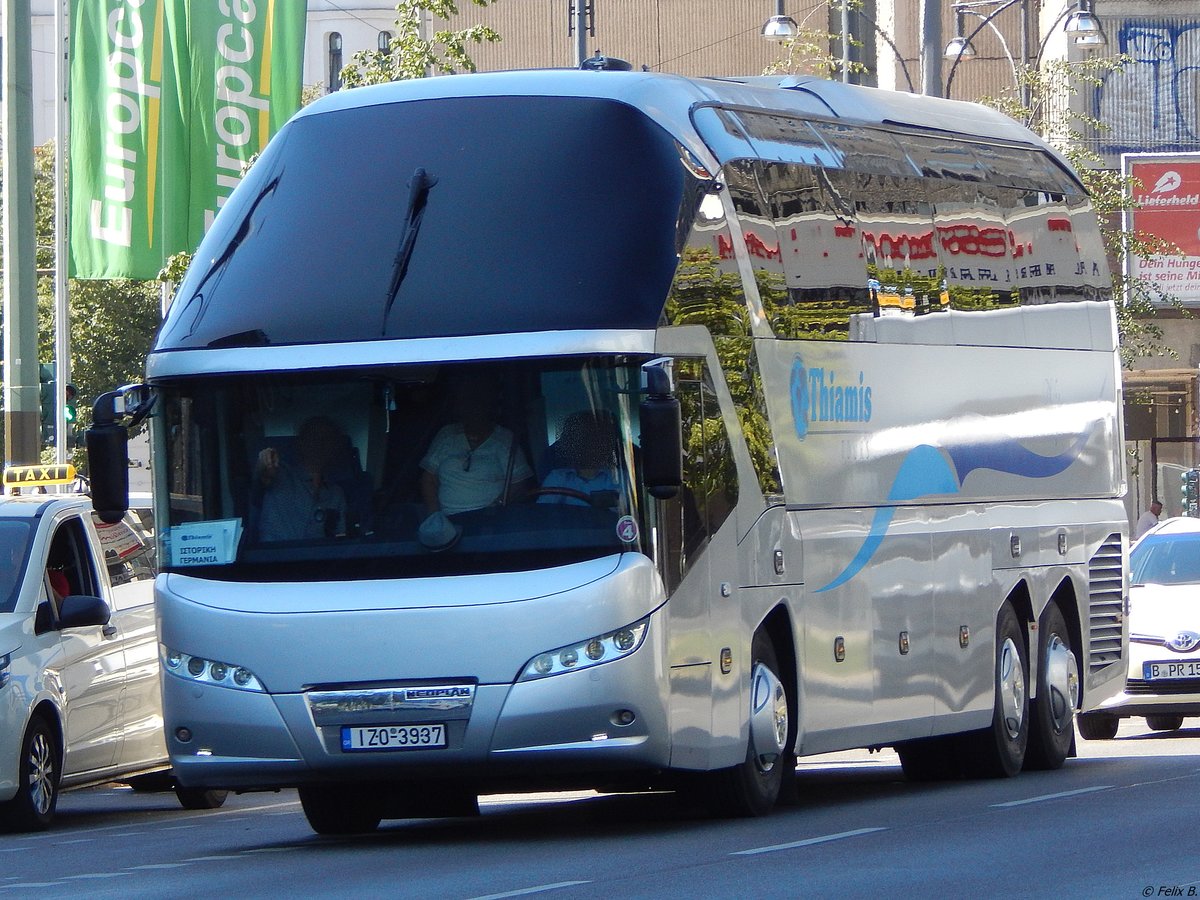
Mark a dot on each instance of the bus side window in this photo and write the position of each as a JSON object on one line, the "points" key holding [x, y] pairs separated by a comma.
{"points": [[710, 488]]}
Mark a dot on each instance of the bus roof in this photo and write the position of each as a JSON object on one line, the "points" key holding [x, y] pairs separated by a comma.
{"points": [[669, 99]]}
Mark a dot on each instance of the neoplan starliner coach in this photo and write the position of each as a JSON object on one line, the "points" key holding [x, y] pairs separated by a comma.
{"points": [[619, 429]]}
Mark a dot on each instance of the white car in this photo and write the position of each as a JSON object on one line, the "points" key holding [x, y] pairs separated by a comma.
{"points": [[1163, 680], [80, 699]]}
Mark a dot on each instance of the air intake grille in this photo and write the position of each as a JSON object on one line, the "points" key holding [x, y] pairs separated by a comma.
{"points": [[1106, 605]]}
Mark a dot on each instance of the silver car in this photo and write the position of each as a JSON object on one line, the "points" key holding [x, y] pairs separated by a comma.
{"points": [[1163, 680], [80, 696]]}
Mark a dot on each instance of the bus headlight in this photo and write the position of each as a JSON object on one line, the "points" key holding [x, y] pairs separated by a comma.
{"points": [[585, 654], [208, 671]]}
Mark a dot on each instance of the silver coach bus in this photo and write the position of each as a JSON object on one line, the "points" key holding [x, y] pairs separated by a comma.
{"points": [[669, 429]]}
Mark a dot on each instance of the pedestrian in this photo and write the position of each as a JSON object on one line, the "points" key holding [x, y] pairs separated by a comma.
{"points": [[1148, 519]]}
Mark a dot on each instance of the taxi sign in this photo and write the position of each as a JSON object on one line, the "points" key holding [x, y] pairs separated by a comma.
{"points": [[34, 476]]}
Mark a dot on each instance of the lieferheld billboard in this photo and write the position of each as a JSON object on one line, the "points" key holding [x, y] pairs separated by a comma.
{"points": [[1167, 205], [169, 100]]}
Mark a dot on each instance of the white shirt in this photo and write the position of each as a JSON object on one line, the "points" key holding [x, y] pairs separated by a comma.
{"points": [[472, 479]]}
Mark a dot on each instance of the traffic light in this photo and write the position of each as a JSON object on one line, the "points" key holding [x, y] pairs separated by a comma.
{"points": [[1189, 490], [46, 401]]}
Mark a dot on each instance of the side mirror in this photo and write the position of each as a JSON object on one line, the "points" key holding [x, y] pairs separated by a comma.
{"points": [[108, 467], [662, 431], [79, 610]]}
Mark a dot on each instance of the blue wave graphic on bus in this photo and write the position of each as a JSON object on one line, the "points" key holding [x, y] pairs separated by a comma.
{"points": [[928, 471]]}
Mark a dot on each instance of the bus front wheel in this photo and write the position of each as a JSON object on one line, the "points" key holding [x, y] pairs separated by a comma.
{"points": [[340, 809], [751, 789]]}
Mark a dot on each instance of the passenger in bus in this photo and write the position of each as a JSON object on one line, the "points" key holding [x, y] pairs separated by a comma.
{"points": [[473, 462], [298, 500], [584, 459]]}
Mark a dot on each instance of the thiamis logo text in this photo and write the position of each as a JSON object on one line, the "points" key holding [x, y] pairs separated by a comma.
{"points": [[822, 395]]}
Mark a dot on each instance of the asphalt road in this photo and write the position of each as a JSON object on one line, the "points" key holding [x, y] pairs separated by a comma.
{"points": [[1115, 822]]}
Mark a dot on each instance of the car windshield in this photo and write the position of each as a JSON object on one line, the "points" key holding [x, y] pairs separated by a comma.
{"points": [[1166, 559], [401, 471], [14, 544]]}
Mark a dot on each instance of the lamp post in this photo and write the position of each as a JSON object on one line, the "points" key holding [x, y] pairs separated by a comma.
{"points": [[1081, 24], [782, 27]]}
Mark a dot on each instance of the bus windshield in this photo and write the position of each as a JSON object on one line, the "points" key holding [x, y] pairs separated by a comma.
{"points": [[401, 471]]}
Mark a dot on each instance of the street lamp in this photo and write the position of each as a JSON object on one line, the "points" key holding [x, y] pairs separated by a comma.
{"points": [[1081, 24], [781, 26]]}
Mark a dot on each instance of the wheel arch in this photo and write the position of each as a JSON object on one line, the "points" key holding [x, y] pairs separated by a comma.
{"points": [[1020, 599], [48, 712], [1067, 601]]}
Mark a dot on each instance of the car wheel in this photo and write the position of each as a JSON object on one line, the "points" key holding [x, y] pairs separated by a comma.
{"points": [[751, 789], [1053, 710], [200, 798], [1164, 723], [1098, 726], [32, 808], [998, 751], [340, 809]]}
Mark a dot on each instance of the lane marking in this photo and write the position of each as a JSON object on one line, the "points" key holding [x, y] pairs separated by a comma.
{"points": [[148, 866], [271, 850], [532, 890], [1059, 795], [88, 875], [214, 858], [824, 839], [78, 841]]}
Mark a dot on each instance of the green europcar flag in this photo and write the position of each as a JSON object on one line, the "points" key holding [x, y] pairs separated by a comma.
{"points": [[169, 100], [127, 147], [245, 61]]}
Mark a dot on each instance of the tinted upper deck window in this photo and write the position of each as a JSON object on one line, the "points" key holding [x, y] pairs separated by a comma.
{"points": [[544, 213]]}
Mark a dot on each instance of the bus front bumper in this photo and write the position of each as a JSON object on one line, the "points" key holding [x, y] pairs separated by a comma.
{"points": [[599, 721]]}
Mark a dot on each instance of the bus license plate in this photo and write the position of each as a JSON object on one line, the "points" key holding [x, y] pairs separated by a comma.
{"points": [[1158, 671], [393, 737]]}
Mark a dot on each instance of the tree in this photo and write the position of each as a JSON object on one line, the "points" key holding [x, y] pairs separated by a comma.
{"points": [[409, 55]]}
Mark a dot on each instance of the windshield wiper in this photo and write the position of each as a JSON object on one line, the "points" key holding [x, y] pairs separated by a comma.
{"points": [[218, 262], [418, 193]]}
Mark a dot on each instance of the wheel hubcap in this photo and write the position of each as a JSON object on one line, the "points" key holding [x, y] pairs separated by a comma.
{"points": [[1062, 682], [1012, 689], [41, 774], [768, 718]]}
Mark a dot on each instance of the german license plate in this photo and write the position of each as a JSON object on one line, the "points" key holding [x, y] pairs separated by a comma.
{"points": [[1160, 671], [393, 737]]}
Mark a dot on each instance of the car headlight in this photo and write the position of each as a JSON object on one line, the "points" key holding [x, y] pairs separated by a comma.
{"points": [[585, 654], [209, 671], [5, 669]]}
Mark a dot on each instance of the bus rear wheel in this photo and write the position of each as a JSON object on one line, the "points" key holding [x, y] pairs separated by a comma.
{"points": [[340, 809], [751, 789], [1053, 725], [998, 751]]}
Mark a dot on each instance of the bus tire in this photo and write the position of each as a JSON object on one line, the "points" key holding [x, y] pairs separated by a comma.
{"points": [[1164, 723], [998, 751], [1052, 727], [751, 789], [38, 772], [1097, 726], [339, 809]]}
